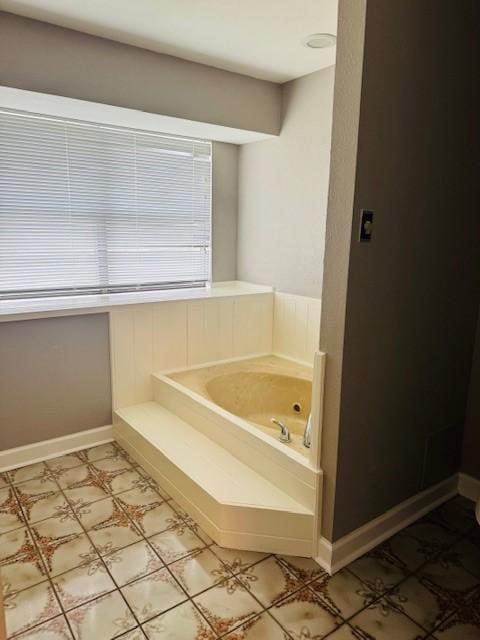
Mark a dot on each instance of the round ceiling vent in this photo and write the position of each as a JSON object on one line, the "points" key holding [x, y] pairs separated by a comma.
{"points": [[320, 40]]}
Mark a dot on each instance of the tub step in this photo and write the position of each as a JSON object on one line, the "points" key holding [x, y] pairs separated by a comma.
{"points": [[237, 506]]}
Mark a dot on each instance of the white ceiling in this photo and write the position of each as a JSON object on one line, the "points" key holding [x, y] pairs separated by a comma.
{"points": [[260, 38]]}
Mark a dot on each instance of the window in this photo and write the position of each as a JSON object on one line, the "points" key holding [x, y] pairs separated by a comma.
{"points": [[88, 208]]}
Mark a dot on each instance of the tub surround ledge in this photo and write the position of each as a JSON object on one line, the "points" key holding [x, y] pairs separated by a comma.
{"points": [[27, 308]]}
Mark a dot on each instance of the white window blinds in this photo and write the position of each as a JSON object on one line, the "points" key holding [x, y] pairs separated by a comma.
{"points": [[89, 208]]}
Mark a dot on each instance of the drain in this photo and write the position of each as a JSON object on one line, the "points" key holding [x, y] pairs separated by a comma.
{"points": [[297, 407]]}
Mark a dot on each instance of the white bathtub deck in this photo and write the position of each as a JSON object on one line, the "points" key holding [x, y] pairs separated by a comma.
{"points": [[209, 465], [234, 503]]}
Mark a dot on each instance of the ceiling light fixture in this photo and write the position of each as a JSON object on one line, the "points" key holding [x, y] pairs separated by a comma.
{"points": [[320, 40]]}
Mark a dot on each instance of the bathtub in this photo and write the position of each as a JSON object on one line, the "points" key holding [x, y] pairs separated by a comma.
{"points": [[257, 390], [207, 437]]}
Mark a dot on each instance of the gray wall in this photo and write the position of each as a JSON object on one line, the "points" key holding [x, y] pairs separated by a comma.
{"points": [[471, 441], [224, 211], [41, 57], [54, 378], [413, 293], [283, 187], [346, 110]]}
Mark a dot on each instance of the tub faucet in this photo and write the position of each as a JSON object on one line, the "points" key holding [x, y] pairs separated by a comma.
{"points": [[284, 432], [307, 434]]}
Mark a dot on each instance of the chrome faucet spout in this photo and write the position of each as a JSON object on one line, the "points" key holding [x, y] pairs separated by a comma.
{"points": [[284, 432], [307, 434]]}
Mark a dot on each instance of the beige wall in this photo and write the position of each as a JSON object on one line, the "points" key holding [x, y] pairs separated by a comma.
{"points": [[283, 187], [413, 292], [471, 441], [54, 378], [41, 57]]}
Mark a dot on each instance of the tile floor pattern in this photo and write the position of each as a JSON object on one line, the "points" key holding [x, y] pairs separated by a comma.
{"points": [[92, 548]]}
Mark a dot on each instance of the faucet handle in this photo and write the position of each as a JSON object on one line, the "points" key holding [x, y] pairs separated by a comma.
{"points": [[284, 432]]}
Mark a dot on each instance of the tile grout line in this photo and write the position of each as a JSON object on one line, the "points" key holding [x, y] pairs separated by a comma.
{"points": [[264, 609], [385, 594], [412, 574], [306, 584], [100, 557], [189, 598], [216, 584], [283, 600], [72, 512], [240, 624], [145, 539], [49, 578], [166, 566], [47, 574]]}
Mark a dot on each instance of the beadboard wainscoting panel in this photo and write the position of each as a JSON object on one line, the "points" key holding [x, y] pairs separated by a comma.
{"points": [[296, 326], [143, 349], [122, 353], [170, 336], [210, 327], [252, 325], [151, 338]]}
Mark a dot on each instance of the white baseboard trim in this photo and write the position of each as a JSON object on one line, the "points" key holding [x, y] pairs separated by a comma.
{"points": [[333, 557], [468, 487], [38, 451]]}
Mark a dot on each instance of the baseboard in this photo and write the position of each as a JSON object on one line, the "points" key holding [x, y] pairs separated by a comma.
{"points": [[334, 556], [469, 487], [38, 451]]}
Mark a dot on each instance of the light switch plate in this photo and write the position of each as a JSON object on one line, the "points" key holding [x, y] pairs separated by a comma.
{"points": [[366, 225]]}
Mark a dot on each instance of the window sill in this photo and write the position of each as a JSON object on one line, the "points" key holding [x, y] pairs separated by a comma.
{"points": [[69, 305]]}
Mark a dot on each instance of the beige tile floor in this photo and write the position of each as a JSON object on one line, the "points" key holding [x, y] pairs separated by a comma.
{"points": [[91, 548]]}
